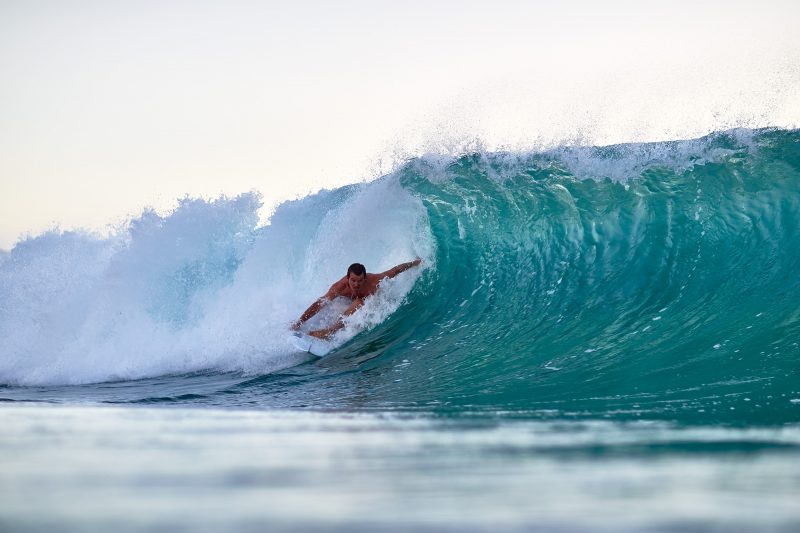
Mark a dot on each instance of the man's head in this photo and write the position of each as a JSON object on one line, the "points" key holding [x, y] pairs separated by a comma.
{"points": [[356, 276]]}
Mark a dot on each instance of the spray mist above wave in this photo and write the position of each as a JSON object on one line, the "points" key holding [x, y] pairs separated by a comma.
{"points": [[202, 288]]}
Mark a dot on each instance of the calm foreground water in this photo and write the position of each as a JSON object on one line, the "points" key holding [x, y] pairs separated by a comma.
{"points": [[88, 468]]}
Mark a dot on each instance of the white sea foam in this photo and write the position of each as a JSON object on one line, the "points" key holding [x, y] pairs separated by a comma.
{"points": [[201, 288]]}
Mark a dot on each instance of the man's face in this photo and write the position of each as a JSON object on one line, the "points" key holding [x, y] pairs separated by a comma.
{"points": [[356, 282]]}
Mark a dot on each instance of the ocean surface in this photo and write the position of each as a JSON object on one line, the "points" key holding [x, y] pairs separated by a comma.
{"points": [[598, 339]]}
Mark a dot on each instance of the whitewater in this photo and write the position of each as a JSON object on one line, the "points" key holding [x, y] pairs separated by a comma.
{"points": [[621, 316]]}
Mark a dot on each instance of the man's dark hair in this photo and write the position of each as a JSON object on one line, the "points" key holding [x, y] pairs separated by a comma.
{"points": [[356, 268]]}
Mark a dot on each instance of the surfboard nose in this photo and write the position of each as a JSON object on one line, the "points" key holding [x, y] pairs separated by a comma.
{"points": [[301, 342]]}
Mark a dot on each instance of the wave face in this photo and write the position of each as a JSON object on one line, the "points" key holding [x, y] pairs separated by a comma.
{"points": [[657, 278]]}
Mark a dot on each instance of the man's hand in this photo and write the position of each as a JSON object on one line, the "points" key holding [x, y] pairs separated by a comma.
{"points": [[392, 272], [321, 334]]}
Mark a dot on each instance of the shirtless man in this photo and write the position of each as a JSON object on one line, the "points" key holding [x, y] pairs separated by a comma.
{"points": [[356, 285]]}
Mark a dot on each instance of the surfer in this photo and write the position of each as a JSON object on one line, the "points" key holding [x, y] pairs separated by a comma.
{"points": [[356, 285]]}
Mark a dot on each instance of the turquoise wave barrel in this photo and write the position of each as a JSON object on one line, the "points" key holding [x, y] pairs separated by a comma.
{"points": [[674, 291]]}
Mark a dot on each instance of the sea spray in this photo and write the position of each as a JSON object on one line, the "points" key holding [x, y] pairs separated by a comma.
{"points": [[199, 289]]}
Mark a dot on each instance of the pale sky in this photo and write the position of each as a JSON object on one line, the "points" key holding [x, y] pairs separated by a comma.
{"points": [[108, 107]]}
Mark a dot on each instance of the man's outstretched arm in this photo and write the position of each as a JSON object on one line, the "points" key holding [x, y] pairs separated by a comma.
{"points": [[312, 310], [315, 308], [392, 272]]}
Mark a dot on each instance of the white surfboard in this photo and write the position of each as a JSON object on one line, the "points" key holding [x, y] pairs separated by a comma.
{"points": [[312, 345]]}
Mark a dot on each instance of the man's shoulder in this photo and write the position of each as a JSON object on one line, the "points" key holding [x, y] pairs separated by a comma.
{"points": [[338, 286]]}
